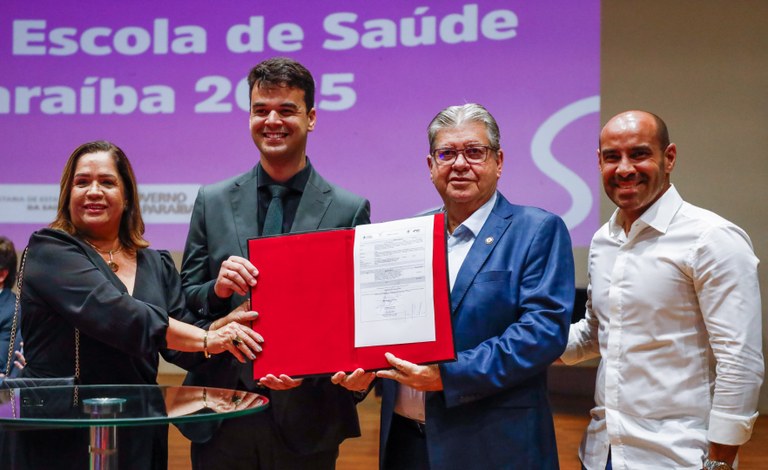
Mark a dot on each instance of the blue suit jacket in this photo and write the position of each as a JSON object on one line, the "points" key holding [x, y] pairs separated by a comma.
{"points": [[7, 307], [511, 308], [318, 415]]}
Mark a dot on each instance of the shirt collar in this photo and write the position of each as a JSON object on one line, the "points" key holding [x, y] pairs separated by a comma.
{"points": [[658, 216], [474, 223], [297, 182]]}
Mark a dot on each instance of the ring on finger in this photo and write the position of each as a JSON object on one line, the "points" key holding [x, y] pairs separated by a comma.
{"points": [[237, 341]]}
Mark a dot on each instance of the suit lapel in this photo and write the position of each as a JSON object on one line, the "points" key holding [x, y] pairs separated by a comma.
{"points": [[313, 205], [245, 207], [498, 222]]}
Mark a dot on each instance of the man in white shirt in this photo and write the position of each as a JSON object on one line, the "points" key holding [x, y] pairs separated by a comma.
{"points": [[674, 311]]}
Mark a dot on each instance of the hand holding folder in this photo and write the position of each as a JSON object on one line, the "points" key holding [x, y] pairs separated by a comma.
{"points": [[420, 377], [306, 299]]}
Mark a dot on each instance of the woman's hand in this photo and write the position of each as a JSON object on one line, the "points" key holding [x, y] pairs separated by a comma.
{"points": [[238, 339], [221, 400], [184, 401]]}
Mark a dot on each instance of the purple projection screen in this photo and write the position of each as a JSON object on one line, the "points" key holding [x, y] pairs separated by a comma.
{"points": [[166, 82]]}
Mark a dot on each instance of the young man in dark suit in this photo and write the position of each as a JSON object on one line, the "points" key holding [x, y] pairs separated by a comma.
{"points": [[307, 419]]}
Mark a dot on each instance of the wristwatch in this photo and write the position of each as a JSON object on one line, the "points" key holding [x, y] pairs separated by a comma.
{"points": [[716, 465]]}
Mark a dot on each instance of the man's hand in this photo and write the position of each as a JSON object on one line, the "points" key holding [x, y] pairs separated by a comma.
{"points": [[357, 381], [424, 378], [241, 314], [20, 361], [279, 383], [236, 276]]}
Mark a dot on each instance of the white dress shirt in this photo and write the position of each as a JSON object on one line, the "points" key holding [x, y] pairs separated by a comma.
{"points": [[409, 401], [674, 311]]}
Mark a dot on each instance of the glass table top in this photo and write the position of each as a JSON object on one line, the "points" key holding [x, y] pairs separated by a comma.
{"points": [[122, 405]]}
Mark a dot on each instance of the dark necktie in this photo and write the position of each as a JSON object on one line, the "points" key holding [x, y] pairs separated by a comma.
{"points": [[273, 222], [273, 225]]}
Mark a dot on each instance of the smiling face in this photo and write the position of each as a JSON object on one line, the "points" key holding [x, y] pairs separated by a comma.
{"points": [[280, 123], [464, 187], [635, 169], [97, 197]]}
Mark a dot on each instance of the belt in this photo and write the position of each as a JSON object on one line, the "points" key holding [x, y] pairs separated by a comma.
{"points": [[412, 424]]}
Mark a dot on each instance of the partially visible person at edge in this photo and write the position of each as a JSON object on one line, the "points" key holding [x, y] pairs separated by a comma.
{"points": [[306, 420], [673, 310], [511, 276], [8, 263], [93, 292]]}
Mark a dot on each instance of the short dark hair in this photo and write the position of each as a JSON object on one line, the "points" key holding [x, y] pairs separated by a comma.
{"points": [[283, 72], [8, 261], [131, 231], [662, 133]]}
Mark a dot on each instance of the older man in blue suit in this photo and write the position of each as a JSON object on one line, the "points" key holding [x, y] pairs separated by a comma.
{"points": [[512, 291]]}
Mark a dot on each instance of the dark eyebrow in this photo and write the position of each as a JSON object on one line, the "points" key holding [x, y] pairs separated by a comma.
{"points": [[260, 104], [100, 175]]}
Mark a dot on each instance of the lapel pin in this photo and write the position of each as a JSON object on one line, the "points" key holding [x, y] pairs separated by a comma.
{"points": [[489, 240]]}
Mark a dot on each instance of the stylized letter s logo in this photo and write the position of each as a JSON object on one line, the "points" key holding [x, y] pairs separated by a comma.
{"points": [[581, 196]]}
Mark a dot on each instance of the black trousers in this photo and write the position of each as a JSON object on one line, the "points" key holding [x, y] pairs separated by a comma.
{"points": [[252, 442], [406, 446]]}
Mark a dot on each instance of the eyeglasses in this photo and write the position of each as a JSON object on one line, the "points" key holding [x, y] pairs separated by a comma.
{"points": [[473, 155]]}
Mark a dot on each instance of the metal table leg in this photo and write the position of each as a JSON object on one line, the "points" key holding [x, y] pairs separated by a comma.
{"points": [[103, 448]]}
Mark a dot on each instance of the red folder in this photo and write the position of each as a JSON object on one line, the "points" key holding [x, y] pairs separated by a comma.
{"points": [[305, 300]]}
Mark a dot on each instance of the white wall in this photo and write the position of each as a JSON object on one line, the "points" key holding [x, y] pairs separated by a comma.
{"points": [[703, 67]]}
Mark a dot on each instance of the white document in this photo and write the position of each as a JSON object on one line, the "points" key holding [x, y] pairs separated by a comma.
{"points": [[394, 282]]}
